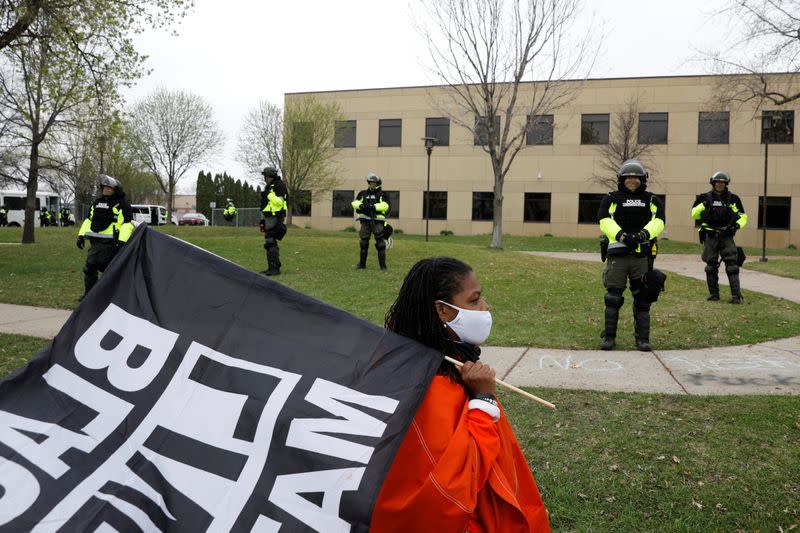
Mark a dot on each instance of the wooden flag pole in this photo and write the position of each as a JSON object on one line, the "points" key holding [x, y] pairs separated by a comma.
{"points": [[508, 386]]}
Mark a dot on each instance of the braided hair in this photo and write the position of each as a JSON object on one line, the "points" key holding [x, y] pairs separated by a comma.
{"points": [[413, 314]]}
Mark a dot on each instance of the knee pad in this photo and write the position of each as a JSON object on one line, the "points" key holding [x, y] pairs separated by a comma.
{"points": [[364, 244], [732, 269], [712, 268], [380, 244], [614, 299], [270, 242], [641, 305]]}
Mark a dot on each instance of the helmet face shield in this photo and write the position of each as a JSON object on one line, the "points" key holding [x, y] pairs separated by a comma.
{"points": [[632, 168], [373, 178], [720, 176], [270, 172], [108, 181]]}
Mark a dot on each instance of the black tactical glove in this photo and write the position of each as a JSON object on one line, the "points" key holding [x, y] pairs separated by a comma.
{"points": [[368, 209], [727, 231], [642, 236], [81, 242], [629, 240]]}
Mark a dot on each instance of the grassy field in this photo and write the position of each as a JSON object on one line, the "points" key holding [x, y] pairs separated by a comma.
{"points": [[535, 301], [789, 268], [644, 462]]}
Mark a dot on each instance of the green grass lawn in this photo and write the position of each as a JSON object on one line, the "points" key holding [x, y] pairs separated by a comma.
{"points": [[535, 301], [643, 462], [789, 268]]}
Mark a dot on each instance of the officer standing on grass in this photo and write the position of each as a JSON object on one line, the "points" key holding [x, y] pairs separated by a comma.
{"points": [[273, 210], [371, 207], [721, 214], [630, 218], [3, 216], [230, 210], [107, 227]]}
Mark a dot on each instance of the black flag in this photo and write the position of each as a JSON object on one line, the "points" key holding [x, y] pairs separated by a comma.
{"points": [[186, 393]]}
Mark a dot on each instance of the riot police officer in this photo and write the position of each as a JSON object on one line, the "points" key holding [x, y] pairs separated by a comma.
{"points": [[721, 215], [273, 211], [108, 227], [631, 218], [230, 210], [370, 208]]}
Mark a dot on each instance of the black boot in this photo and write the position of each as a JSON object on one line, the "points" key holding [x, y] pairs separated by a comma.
{"points": [[273, 261], [733, 279], [641, 324], [362, 259], [382, 259], [613, 302], [712, 280]]}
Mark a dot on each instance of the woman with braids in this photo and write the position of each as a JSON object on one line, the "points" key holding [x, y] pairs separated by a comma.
{"points": [[459, 467]]}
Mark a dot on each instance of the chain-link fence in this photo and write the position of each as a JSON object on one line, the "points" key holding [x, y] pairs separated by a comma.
{"points": [[245, 216]]}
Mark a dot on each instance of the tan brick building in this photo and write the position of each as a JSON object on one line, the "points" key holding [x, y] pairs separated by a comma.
{"points": [[548, 189]]}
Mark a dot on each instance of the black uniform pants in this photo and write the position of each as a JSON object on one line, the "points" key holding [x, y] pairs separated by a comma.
{"points": [[101, 253]]}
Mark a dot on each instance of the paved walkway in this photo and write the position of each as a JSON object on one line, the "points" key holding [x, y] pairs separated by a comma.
{"points": [[767, 368]]}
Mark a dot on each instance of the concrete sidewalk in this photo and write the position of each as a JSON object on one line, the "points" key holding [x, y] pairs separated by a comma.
{"points": [[767, 368]]}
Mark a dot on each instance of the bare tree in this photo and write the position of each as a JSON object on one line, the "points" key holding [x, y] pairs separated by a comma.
{"points": [[623, 144], [485, 52], [173, 132], [766, 40], [300, 142]]}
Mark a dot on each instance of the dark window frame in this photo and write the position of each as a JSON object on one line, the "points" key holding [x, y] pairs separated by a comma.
{"points": [[438, 205], [482, 206], [345, 135], [481, 136], [345, 211], [590, 134], [709, 127], [390, 132], [653, 128], [532, 207], [588, 206], [539, 130], [393, 199], [438, 127], [784, 202], [777, 127]]}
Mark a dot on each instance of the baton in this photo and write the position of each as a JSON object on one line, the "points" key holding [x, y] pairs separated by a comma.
{"points": [[510, 387]]}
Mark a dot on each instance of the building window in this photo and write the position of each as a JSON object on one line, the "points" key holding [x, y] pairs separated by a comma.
{"points": [[779, 212], [393, 198], [777, 127], [588, 206], [342, 201], [302, 204], [653, 128], [345, 136], [713, 128], [482, 131], [537, 207], [438, 205], [594, 128], [539, 130], [302, 134], [438, 128], [389, 131], [482, 205]]}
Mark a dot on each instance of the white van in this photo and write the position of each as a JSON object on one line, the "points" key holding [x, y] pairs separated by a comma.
{"points": [[14, 202], [154, 215]]}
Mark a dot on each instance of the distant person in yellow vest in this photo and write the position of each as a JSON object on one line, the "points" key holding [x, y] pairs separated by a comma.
{"points": [[108, 227], [370, 207], [230, 210]]}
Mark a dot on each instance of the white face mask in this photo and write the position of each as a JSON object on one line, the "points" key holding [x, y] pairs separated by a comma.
{"points": [[472, 327]]}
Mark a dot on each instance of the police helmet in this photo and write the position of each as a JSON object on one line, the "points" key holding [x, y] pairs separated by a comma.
{"points": [[270, 172], [108, 181], [632, 168], [373, 178], [720, 176]]}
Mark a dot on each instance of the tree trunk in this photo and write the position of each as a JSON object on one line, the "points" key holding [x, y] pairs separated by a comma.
{"points": [[497, 218], [30, 202], [171, 200]]}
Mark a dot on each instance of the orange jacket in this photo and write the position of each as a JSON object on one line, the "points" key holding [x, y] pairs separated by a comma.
{"points": [[457, 470]]}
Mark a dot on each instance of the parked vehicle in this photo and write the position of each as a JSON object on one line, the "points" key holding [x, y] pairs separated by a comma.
{"points": [[193, 219], [14, 202], [154, 215]]}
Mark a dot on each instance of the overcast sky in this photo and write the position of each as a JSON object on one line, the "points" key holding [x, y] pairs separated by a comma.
{"points": [[237, 52]]}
